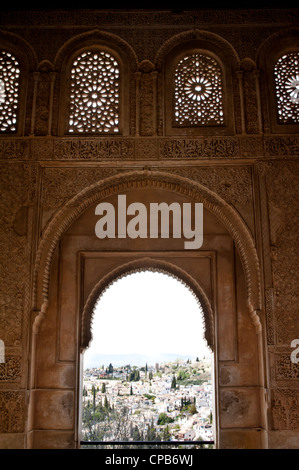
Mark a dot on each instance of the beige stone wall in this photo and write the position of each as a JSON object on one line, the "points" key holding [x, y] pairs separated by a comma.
{"points": [[246, 174]]}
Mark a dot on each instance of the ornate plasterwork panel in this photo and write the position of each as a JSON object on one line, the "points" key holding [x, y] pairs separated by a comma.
{"points": [[12, 412], [285, 406], [61, 184], [10, 370], [282, 187], [234, 184], [18, 183], [14, 276], [285, 369]]}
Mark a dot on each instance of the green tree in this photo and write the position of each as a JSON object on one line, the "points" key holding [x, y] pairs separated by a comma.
{"points": [[136, 434], [93, 391], [151, 433], [173, 382], [164, 419], [134, 375], [185, 404], [106, 403], [193, 409], [166, 434], [103, 387]]}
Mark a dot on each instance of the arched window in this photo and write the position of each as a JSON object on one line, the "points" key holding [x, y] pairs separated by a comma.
{"points": [[286, 75], [198, 95], [9, 91], [139, 364], [94, 94]]}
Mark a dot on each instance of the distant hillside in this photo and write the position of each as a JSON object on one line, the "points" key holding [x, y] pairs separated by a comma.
{"points": [[139, 360]]}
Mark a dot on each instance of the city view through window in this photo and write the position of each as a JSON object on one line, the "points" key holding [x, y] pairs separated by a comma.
{"points": [[148, 372]]}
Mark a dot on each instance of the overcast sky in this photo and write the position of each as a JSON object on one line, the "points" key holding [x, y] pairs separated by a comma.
{"points": [[148, 312]]}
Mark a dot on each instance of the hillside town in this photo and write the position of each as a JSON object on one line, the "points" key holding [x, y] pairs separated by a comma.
{"points": [[172, 401]]}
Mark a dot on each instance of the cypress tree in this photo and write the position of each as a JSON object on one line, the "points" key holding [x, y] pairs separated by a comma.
{"points": [[173, 382], [94, 398]]}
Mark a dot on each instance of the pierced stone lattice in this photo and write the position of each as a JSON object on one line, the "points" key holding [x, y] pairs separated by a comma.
{"points": [[94, 98], [9, 91], [198, 91], [286, 73]]}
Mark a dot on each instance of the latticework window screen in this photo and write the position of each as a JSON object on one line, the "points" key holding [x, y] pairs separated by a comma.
{"points": [[286, 73], [198, 94], [9, 91], [94, 94]]}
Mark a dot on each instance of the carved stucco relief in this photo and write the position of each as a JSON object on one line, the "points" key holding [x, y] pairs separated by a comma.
{"points": [[283, 194], [138, 179], [173, 149], [285, 406], [18, 181], [16, 197], [12, 412], [233, 184], [282, 190]]}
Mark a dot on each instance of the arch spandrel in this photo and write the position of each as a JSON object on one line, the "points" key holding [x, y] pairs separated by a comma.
{"points": [[211, 40], [196, 192]]}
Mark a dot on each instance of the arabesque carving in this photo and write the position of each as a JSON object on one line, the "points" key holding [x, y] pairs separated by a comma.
{"points": [[12, 411], [285, 405], [140, 179]]}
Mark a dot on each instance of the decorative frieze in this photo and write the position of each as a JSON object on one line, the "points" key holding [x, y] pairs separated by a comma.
{"points": [[137, 18], [282, 146], [199, 148], [14, 149], [92, 148]]}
